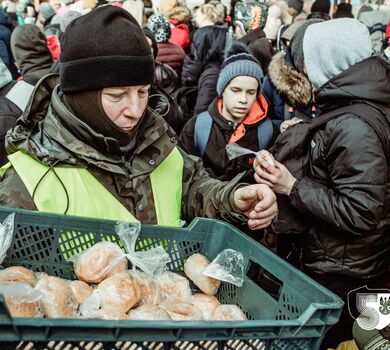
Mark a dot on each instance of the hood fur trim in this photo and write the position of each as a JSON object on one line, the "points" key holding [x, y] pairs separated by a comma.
{"points": [[292, 85]]}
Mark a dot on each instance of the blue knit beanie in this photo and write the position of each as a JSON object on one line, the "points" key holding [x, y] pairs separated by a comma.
{"points": [[239, 61]]}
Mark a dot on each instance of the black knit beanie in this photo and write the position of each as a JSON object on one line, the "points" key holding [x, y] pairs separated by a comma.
{"points": [[296, 44], [105, 48], [321, 6]]}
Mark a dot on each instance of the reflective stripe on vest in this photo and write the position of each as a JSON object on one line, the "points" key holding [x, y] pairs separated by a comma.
{"points": [[86, 196]]}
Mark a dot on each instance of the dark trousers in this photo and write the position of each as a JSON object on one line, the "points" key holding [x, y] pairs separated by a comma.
{"points": [[342, 285]]}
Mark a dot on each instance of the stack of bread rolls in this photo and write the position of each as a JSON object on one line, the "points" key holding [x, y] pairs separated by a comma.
{"points": [[122, 294]]}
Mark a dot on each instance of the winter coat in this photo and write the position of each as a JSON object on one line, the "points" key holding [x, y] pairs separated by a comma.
{"points": [[202, 67], [180, 34], [346, 192], [172, 55], [215, 158], [31, 53], [260, 47], [6, 28], [285, 87], [9, 113], [48, 132]]}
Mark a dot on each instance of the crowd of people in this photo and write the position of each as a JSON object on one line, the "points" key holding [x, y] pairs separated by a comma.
{"points": [[154, 111]]}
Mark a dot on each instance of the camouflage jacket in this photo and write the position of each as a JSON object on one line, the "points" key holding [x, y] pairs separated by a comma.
{"points": [[47, 131]]}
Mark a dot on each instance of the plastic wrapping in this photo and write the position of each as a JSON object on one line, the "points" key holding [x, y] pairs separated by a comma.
{"points": [[116, 295], [81, 290], [119, 292], [21, 299], [150, 292], [91, 306], [102, 260], [228, 266], [18, 274], [152, 261], [228, 312], [194, 267], [6, 235], [233, 151], [181, 310], [173, 285], [58, 300], [148, 312], [206, 303]]}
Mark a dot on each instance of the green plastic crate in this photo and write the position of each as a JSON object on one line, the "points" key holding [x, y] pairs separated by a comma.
{"points": [[296, 320]]}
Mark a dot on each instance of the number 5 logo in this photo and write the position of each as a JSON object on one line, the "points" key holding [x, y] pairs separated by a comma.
{"points": [[370, 307]]}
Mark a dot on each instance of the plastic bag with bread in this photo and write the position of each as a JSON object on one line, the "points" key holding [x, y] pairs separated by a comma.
{"points": [[181, 310], [172, 284], [228, 266], [150, 292], [18, 274], [194, 267], [58, 300], [102, 260], [116, 295], [148, 312], [233, 151], [21, 299]]}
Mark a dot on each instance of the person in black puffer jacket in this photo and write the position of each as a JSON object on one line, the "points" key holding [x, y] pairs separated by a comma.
{"points": [[202, 66], [345, 194]]}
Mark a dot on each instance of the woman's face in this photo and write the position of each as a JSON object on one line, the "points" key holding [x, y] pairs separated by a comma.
{"points": [[125, 105]]}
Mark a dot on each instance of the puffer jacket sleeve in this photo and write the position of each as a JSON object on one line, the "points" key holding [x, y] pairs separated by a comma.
{"points": [[356, 167], [207, 197]]}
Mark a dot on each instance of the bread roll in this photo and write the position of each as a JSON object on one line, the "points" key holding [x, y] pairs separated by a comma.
{"points": [[58, 299], [105, 314], [181, 310], [148, 312], [206, 303], [21, 299], [262, 157], [81, 290], [99, 262], [150, 293], [228, 312], [173, 285], [194, 267], [119, 293], [22, 309], [18, 274]]}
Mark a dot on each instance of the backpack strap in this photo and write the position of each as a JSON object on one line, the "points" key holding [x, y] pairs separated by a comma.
{"points": [[202, 131], [264, 133], [20, 94]]}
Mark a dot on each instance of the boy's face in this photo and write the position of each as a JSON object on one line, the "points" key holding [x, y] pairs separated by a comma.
{"points": [[238, 98], [125, 105]]}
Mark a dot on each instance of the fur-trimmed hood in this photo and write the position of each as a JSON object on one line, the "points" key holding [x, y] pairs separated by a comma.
{"points": [[289, 83]]}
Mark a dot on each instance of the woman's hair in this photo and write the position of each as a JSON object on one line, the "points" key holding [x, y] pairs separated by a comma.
{"points": [[180, 13], [214, 11]]}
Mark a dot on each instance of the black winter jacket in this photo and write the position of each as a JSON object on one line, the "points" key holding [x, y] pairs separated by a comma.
{"points": [[202, 67], [260, 47], [215, 158], [346, 194]]}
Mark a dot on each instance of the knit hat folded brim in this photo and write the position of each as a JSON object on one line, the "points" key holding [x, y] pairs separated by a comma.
{"points": [[99, 72], [117, 54]]}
